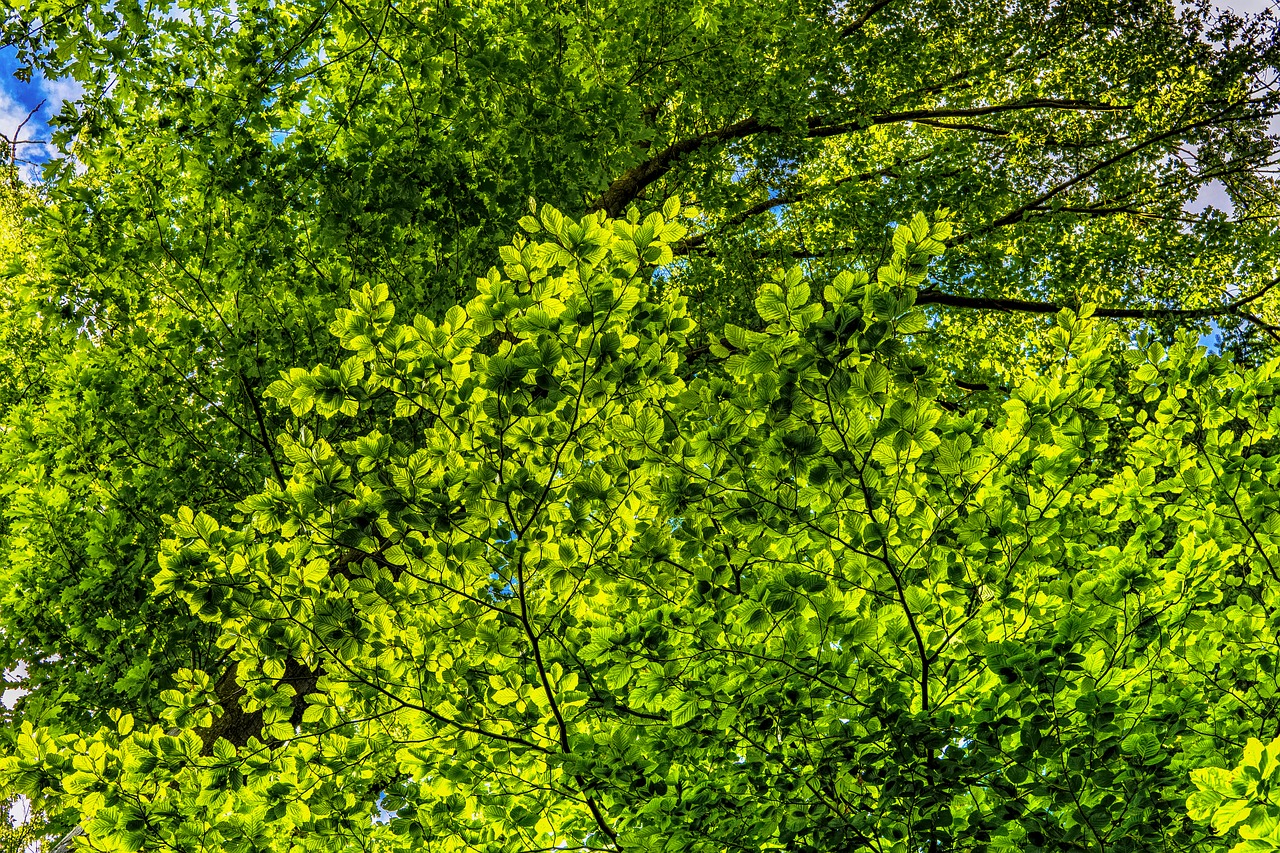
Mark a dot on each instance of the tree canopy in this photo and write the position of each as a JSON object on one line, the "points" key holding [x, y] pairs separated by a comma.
{"points": [[644, 426]]}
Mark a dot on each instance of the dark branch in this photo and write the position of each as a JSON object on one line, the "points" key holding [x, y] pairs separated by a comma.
{"points": [[1023, 306], [976, 128], [1019, 213], [862, 19], [627, 187], [818, 129], [764, 205], [965, 385]]}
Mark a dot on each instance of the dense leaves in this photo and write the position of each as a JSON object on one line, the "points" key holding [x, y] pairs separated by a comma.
{"points": [[750, 526], [237, 167], [1243, 797], [562, 596]]}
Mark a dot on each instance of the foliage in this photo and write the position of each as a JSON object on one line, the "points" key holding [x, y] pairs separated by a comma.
{"points": [[562, 596], [239, 166], [845, 541], [1242, 799]]}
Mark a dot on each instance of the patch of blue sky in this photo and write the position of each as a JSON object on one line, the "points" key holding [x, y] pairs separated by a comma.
{"points": [[663, 274], [381, 815], [27, 110], [1212, 340], [779, 209]]}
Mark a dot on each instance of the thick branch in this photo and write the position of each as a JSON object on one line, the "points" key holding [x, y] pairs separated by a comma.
{"points": [[237, 725], [966, 385], [862, 19], [68, 841], [1019, 213], [627, 187], [819, 128], [970, 126], [1023, 306]]}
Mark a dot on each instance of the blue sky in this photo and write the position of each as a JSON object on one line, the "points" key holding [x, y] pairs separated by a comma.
{"points": [[18, 99]]}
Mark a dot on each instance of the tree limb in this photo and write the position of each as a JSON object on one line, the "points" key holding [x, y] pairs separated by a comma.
{"points": [[1019, 213], [628, 186], [862, 19], [696, 240], [1023, 306]]}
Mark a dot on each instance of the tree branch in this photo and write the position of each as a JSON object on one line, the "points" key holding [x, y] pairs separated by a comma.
{"points": [[628, 186], [1023, 306], [631, 183], [862, 19], [976, 128], [696, 240], [265, 438], [562, 728], [1019, 213]]}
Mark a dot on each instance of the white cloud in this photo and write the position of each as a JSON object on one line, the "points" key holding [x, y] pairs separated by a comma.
{"points": [[1246, 7], [13, 116], [1212, 194], [9, 697], [23, 130], [57, 92], [20, 811]]}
